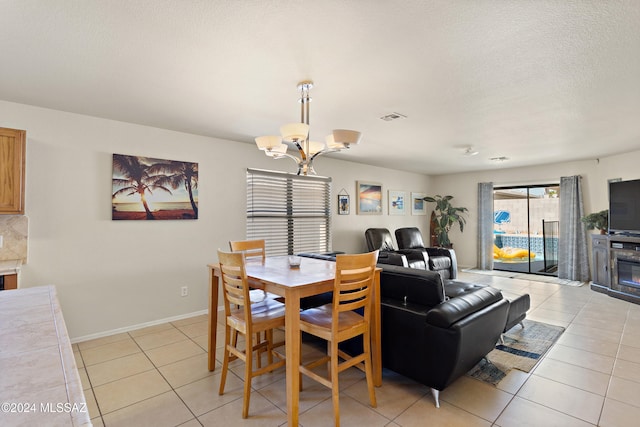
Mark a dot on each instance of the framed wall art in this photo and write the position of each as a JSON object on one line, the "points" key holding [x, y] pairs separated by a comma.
{"points": [[369, 198], [397, 203], [418, 205], [153, 189], [344, 207]]}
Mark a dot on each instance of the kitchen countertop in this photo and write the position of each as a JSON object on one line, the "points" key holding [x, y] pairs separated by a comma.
{"points": [[39, 381]]}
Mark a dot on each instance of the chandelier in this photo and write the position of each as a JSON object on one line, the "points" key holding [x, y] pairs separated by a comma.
{"points": [[297, 134]]}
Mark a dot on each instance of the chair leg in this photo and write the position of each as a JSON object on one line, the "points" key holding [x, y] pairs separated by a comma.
{"points": [[268, 335], [259, 358], [368, 370], [225, 360], [330, 354], [335, 389], [248, 368], [502, 339], [436, 396]]}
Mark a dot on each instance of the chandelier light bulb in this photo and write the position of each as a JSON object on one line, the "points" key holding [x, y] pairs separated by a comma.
{"points": [[268, 142]]}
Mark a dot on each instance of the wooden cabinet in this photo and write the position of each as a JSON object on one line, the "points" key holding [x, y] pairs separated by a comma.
{"points": [[12, 165], [600, 256], [9, 281], [615, 266]]}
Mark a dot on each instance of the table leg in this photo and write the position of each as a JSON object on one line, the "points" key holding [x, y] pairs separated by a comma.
{"points": [[292, 344], [376, 332], [213, 317]]}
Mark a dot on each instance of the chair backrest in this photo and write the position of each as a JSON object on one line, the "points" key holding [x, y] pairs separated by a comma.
{"points": [[253, 249], [379, 239], [353, 283], [409, 238], [235, 287]]}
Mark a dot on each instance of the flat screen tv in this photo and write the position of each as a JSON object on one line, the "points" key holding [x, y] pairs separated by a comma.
{"points": [[624, 207]]}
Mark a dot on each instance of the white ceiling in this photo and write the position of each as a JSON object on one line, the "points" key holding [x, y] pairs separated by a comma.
{"points": [[532, 80]]}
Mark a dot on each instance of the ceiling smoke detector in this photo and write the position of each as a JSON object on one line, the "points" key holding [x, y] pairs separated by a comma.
{"points": [[393, 116], [469, 151]]}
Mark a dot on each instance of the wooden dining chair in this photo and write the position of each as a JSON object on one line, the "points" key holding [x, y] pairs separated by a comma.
{"points": [[253, 250], [248, 319], [337, 322]]}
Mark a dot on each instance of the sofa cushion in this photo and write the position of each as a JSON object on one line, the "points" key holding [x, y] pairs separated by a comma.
{"points": [[455, 288], [392, 258], [419, 264], [421, 287], [439, 263], [409, 238], [380, 239], [449, 312]]}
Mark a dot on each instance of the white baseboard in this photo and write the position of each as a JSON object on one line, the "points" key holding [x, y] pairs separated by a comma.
{"points": [[138, 326]]}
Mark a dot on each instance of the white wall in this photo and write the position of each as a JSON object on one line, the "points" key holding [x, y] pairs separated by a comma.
{"points": [[117, 274], [348, 230], [595, 173]]}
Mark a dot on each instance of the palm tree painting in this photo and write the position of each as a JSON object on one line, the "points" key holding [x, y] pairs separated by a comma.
{"points": [[148, 189]]}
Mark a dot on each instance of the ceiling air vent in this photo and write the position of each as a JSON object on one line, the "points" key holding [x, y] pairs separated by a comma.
{"points": [[393, 116]]}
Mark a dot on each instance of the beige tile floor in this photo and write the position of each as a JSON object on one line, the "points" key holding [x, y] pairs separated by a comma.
{"points": [[158, 376]]}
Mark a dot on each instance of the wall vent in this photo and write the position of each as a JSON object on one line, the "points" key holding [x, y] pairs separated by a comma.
{"points": [[393, 116]]}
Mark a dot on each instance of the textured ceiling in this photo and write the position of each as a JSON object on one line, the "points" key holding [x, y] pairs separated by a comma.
{"points": [[535, 81]]}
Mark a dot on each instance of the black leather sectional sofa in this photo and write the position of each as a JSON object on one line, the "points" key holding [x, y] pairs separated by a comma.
{"points": [[435, 330], [412, 252], [431, 337]]}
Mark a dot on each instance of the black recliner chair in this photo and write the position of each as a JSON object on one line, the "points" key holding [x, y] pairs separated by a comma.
{"points": [[380, 239], [441, 260]]}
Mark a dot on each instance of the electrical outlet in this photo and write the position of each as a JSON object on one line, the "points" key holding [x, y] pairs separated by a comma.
{"points": [[184, 291]]}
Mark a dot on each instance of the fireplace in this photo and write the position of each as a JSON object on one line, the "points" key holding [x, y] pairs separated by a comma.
{"points": [[626, 270], [616, 266]]}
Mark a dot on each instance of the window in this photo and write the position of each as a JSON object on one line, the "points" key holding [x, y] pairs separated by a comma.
{"points": [[290, 212], [526, 228]]}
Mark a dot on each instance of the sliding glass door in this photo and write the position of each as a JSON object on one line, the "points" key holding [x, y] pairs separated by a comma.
{"points": [[526, 229]]}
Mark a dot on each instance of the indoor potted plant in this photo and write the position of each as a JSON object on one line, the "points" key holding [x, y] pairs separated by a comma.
{"points": [[597, 221], [446, 215]]}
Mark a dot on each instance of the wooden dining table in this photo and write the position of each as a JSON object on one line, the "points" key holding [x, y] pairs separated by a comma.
{"points": [[312, 277]]}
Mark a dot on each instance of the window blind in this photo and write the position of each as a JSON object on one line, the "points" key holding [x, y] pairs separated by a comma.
{"points": [[292, 213]]}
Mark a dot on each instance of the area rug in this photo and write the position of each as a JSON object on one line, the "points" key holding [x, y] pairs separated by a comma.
{"points": [[522, 349]]}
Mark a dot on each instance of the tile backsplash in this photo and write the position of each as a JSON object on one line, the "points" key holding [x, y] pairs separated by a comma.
{"points": [[14, 230]]}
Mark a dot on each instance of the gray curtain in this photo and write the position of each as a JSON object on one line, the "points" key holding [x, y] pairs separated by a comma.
{"points": [[573, 260], [485, 225]]}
